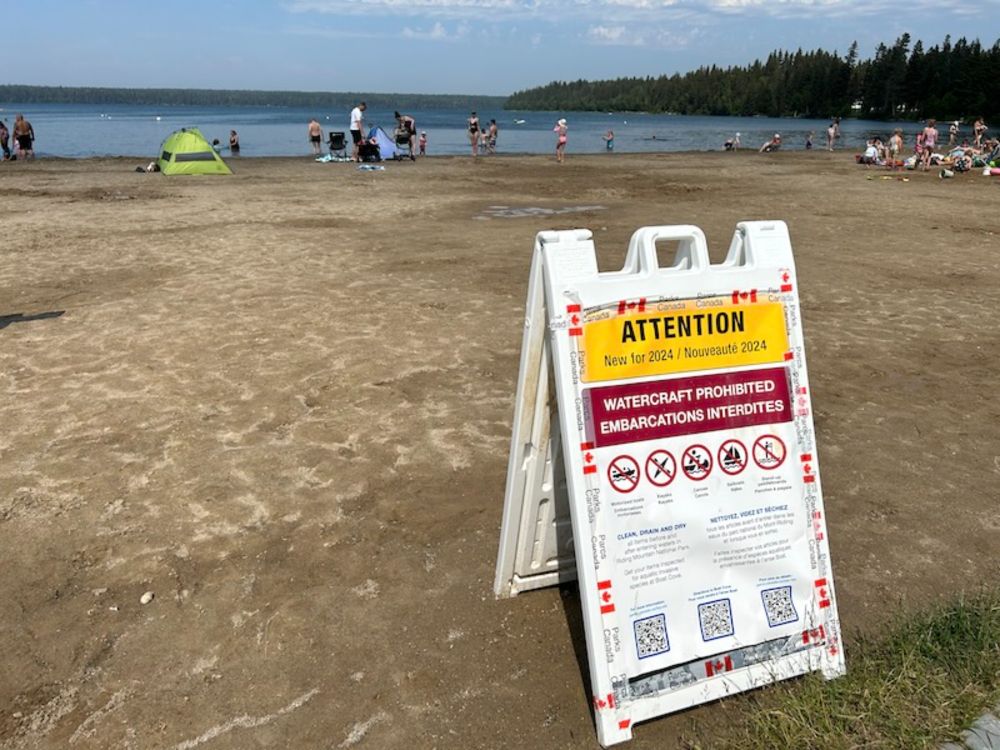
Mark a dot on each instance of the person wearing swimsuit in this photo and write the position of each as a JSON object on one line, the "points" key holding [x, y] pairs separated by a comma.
{"points": [[315, 136], [24, 134], [560, 131], [978, 130], [473, 122], [930, 141]]}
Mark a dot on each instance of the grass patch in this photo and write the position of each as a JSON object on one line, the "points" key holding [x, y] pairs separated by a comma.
{"points": [[920, 682]]}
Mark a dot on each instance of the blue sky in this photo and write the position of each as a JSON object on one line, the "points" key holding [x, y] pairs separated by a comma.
{"points": [[443, 46]]}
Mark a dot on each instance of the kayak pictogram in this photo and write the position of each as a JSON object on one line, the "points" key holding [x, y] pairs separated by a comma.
{"points": [[661, 468]]}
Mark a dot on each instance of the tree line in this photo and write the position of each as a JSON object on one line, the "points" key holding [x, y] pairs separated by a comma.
{"points": [[947, 81], [318, 100]]}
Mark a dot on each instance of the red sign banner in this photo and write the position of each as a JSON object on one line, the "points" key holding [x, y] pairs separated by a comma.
{"points": [[634, 412]]}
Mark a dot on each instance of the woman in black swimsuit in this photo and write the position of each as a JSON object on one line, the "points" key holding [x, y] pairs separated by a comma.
{"points": [[474, 133]]}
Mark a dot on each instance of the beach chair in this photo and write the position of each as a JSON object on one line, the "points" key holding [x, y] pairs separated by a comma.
{"points": [[338, 143], [402, 138]]}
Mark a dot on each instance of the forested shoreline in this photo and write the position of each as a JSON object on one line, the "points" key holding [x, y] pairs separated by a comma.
{"points": [[901, 81], [946, 81], [237, 97]]}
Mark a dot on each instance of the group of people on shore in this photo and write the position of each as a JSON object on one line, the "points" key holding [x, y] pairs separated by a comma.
{"points": [[928, 150], [19, 142], [482, 139], [404, 133]]}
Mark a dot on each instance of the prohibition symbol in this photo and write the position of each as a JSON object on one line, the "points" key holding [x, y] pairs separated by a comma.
{"points": [[769, 452], [661, 468], [623, 473], [732, 457], [696, 462]]}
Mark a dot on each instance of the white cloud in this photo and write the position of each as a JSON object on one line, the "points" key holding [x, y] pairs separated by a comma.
{"points": [[609, 13], [436, 33], [606, 34], [641, 36]]}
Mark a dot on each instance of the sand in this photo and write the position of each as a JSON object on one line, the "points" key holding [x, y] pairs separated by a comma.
{"points": [[281, 402]]}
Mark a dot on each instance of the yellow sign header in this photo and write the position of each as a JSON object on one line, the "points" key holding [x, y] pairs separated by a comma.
{"points": [[684, 335]]}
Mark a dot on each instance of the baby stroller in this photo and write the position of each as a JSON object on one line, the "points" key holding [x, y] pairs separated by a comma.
{"points": [[368, 151]]}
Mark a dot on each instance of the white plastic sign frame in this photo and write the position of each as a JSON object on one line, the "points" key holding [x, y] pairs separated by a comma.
{"points": [[566, 295]]}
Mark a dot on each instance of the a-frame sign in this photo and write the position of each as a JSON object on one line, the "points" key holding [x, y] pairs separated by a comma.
{"points": [[673, 471]]}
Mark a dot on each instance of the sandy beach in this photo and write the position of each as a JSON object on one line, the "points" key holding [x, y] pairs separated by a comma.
{"points": [[281, 401]]}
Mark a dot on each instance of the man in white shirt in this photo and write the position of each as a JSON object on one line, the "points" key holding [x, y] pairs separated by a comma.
{"points": [[357, 122]]}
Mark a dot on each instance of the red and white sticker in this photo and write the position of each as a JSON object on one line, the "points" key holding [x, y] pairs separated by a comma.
{"points": [[718, 666], [604, 594]]}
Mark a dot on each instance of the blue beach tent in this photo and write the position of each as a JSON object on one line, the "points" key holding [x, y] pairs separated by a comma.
{"points": [[386, 147]]}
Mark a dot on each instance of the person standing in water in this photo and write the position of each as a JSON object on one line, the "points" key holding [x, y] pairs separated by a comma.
{"points": [[473, 123], [561, 138], [609, 140], [234, 142], [494, 131], [24, 134], [315, 136]]}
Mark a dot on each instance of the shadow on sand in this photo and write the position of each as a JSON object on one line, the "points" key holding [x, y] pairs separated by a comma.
{"points": [[6, 320]]}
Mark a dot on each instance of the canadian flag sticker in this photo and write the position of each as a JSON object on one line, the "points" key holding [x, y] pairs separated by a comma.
{"points": [[822, 592], [718, 666], [604, 594], [638, 305]]}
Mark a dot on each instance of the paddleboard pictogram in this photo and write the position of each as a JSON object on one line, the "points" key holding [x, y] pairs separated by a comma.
{"points": [[769, 452], [696, 462], [733, 457], [661, 468], [623, 473]]}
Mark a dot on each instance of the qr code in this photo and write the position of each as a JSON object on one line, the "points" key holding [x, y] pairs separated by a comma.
{"points": [[651, 636], [778, 606], [716, 619]]}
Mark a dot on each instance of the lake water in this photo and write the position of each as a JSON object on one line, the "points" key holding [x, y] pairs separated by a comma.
{"points": [[73, 130]]}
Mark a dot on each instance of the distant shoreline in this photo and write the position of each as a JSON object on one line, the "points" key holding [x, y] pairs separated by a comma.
{"points": [[165, 97]]}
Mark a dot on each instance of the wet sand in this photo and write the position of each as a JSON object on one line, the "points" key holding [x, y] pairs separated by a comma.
{"points": [[282, 400]]}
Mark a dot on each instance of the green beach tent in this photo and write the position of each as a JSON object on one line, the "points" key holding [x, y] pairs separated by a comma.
{"points": [[186, 151]]}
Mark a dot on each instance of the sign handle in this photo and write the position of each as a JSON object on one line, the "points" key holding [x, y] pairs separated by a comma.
{"points": [[692, 255]]}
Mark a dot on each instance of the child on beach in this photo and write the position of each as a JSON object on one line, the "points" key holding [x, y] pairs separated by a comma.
{"points": [[895, 146], [423, 143], [561, 138], [930, 141], [772, 145]]}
